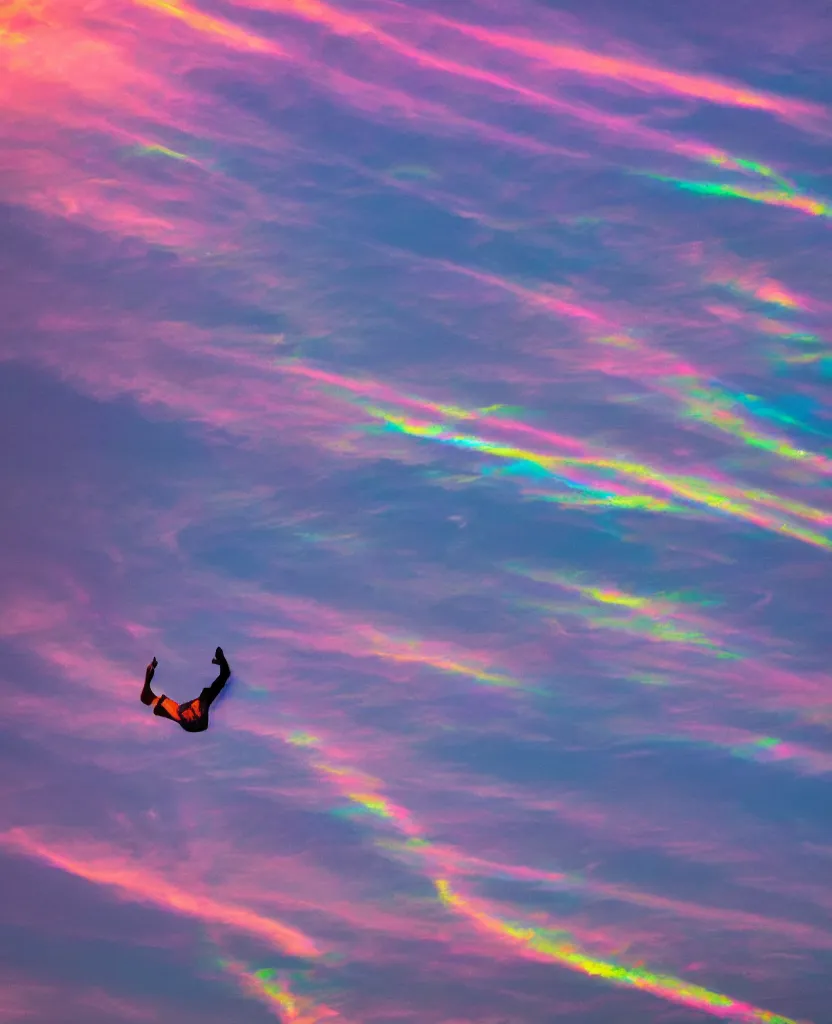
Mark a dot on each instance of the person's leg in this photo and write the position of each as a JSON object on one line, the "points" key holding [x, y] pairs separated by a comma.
{"points": [[194, 713], [210, 693]]}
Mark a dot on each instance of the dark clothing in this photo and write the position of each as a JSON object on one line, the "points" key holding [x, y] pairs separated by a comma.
{"points": [[193, 714]]}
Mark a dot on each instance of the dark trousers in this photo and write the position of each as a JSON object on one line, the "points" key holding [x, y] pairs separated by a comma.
{"points": [[193, 714]]}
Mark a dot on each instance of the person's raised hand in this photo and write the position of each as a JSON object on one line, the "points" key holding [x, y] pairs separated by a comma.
{"points": [[151, 668], [218, 658]]}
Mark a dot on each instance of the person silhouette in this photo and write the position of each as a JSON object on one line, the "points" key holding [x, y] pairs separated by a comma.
{"points": [[193, 714]]}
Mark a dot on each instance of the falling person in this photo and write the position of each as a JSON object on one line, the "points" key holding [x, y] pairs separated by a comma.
{"points": [[193, 715]]}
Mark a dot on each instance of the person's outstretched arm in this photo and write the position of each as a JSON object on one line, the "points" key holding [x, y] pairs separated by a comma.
{"points": [[162, 706], [148, 696]]}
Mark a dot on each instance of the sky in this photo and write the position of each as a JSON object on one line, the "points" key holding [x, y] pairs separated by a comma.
{"points": [[463, 370]]}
